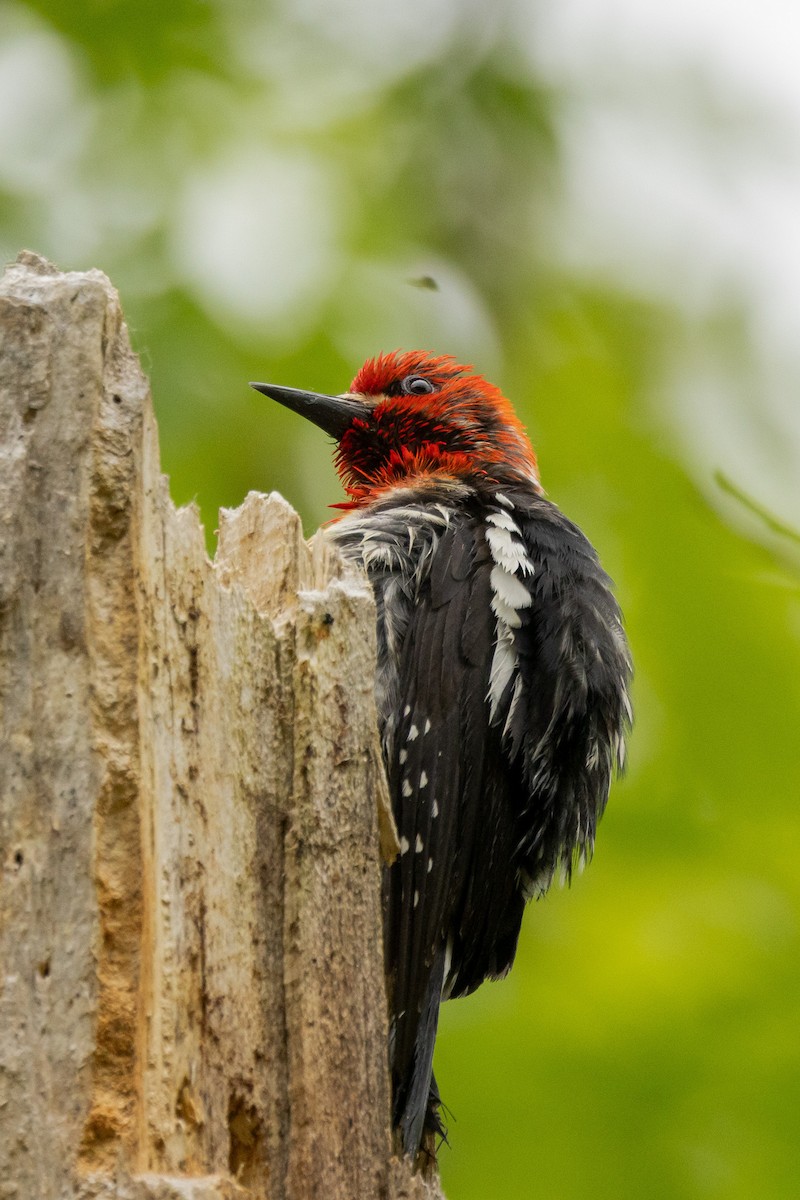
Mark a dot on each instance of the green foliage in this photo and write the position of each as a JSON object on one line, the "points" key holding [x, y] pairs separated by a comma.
{"points": [[647, 1041]]}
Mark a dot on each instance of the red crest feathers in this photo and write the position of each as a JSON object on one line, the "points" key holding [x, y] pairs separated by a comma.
{"points": [[378, 374]]}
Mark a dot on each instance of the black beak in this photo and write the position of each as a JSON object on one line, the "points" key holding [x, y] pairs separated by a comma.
{"points": [[334, 414]]}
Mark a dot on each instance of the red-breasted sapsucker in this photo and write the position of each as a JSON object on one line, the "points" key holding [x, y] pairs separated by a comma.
{"points": [[502, 680]]}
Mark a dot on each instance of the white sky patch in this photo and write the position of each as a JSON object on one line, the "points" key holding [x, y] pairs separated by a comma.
{"points": [[681, 142], [748, 45], [681, 217], [255, 237], [44, 121]]}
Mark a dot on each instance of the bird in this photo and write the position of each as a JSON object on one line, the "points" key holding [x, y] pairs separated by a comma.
{"points": [[502, 682]]}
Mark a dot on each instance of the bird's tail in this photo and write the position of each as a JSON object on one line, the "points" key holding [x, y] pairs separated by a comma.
{"points": [[416, 1097]]}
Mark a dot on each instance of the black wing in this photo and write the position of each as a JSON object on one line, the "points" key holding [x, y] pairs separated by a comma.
{"points": [[564, 730], [557, 732]]}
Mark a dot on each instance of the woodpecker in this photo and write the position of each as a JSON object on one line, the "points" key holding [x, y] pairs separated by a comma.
{"points": [[502, 681]]}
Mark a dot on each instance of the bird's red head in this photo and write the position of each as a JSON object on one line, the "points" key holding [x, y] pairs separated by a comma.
{"points": [[411, 419], [430, 418]]}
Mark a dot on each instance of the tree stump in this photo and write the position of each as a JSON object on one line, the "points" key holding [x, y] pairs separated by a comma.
{"points": [[192, 809]]}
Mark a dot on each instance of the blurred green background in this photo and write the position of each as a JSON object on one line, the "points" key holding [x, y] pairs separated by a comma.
{"points": [[606, 196]]}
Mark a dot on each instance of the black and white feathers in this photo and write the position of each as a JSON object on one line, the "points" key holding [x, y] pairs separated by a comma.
{"points": [[502, 693]]}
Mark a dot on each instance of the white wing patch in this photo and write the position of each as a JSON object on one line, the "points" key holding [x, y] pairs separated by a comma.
{"points": [[503, 520], [507, 551], [510, 595], [509, 589]]}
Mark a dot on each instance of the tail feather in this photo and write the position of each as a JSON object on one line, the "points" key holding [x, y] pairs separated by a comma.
{"points": [[416, 1102]]}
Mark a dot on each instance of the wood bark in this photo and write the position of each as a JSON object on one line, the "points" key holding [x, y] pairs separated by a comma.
{"points": [[192, 809]]}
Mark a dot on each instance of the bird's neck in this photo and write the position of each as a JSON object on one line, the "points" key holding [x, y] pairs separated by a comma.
{"points": [[428, 471]]}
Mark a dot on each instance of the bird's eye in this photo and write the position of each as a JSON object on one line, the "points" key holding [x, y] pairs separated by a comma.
{"points": [[416, 385]]}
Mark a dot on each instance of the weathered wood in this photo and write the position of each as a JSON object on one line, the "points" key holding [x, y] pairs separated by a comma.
{"points": [[191, 807]]}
